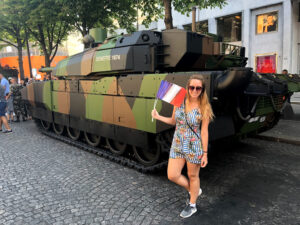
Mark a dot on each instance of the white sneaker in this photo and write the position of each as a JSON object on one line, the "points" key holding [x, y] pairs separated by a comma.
{"points": [[188, 200], [188, 211]]}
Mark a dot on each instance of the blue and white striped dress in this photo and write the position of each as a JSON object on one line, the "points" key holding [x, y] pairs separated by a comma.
{"points": [[185, 142]]}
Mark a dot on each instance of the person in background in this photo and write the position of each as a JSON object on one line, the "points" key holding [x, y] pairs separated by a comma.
{"points": [[3, 119], [285, 72], [19, 105], [5, 88], [22, 82], [4, 82], [10, 105], [25, 81]]}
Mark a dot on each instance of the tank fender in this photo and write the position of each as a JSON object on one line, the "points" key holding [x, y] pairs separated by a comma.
{"points": [[233, 81]]}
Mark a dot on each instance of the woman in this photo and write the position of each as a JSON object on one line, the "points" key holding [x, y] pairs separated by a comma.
{"points": [[189, 142]]}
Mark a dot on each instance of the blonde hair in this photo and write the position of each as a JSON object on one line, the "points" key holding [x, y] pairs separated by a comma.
{"points": [[204, 105]]}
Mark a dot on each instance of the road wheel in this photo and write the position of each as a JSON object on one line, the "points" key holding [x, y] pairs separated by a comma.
{"points": [[58, 128], [116, 147], [146, 156], [92, 139], [45, 125], [73, 133]]}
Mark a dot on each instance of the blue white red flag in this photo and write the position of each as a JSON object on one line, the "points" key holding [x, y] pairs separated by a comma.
{"points": [[171, 93]]}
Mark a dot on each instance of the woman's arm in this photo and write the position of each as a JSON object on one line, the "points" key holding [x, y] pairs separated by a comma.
{"points": [[204, 138], [168, 120]]}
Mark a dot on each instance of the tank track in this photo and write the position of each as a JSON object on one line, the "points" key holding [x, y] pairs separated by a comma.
{"points": [[103, 152]]}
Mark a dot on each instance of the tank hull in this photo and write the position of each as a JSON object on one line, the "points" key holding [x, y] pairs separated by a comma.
{"points": [[118, 108]]}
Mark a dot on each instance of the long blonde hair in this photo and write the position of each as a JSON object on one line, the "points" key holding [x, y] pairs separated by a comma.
{"points": [[203, 102]]}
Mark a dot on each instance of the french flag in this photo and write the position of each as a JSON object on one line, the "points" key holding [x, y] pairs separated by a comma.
{"points": [[171, 93]]}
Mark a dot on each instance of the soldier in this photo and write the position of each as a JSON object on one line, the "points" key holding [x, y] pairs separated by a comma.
{"points": [[19, 107], [285, 72], [10, 106]]}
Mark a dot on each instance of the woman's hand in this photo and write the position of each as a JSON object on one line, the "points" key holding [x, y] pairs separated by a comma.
{"points": [[204, 160], [154, 114]]}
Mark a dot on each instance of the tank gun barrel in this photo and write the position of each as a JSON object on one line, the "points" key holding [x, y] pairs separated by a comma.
{"points": [[46, 69]]}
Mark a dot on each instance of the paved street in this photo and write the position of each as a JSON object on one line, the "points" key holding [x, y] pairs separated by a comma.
{"points": [[44, 181]]}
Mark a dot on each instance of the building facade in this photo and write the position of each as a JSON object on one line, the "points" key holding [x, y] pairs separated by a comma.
{"points": [[268, 29]]}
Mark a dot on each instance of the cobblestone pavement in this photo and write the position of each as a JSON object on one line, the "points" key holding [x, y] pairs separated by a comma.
{"points": [[44, 181]]}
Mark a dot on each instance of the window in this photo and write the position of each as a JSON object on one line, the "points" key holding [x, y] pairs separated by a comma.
{"points": [[201, 27], [267, 22], [230, 27], [266, 64]]}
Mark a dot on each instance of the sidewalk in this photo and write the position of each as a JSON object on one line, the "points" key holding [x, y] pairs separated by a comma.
{"points": [[296, 98], [287, 131]]}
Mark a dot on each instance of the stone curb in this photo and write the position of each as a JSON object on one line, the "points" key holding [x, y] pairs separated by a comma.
{"points": [[277, 139]]}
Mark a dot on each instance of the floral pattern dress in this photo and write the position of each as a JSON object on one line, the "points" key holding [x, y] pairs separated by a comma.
{"points": [[185, 142]]}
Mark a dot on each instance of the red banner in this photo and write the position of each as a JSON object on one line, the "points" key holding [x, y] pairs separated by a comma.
{"points": [[266, 64]]}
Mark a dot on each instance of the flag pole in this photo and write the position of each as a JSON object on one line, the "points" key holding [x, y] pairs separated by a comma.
{"points": [[155, 102]]}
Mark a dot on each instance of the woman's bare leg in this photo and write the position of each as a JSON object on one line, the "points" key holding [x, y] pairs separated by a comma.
{"points": [[174, 172], [194, 181], [5, 123]]}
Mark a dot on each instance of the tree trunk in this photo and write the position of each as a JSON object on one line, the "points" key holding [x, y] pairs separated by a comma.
{"points": [[20, 59], [43, 45], [168, 14], [47, 59], [28, 55]]}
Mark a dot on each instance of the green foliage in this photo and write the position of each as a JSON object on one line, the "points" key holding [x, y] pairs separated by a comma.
{"points": [[12, 20], [12, 26], [154, 9], [48, 24], [88, 14]]}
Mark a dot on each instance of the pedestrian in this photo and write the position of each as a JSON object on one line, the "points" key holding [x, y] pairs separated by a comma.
{"points": [[22, 82], [18, 103], [3, 98], [4, 82], [3, 119], [190, 143], [10, 105]]}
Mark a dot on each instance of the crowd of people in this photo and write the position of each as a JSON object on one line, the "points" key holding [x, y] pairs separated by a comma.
{"points": [[12, 107]]}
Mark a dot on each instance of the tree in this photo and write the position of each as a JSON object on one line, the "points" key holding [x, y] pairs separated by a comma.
{"points": [[48, 25], [12, 30], [88, 14], [153, 9]]}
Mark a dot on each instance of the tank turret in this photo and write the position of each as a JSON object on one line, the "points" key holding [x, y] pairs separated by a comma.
{"points": [[145, 52]]}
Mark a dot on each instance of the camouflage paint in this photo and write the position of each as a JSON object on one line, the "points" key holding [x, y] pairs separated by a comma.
{"points": [[94, 108], [30, 94], [142, 107], [59, 85], [61, 68], [293, 82], [251, 127], [95, 101], [47, 95], [61, 102], [102, 61]]}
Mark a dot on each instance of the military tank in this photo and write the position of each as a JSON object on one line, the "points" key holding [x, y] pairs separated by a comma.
{"points": [[103, 97]]}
